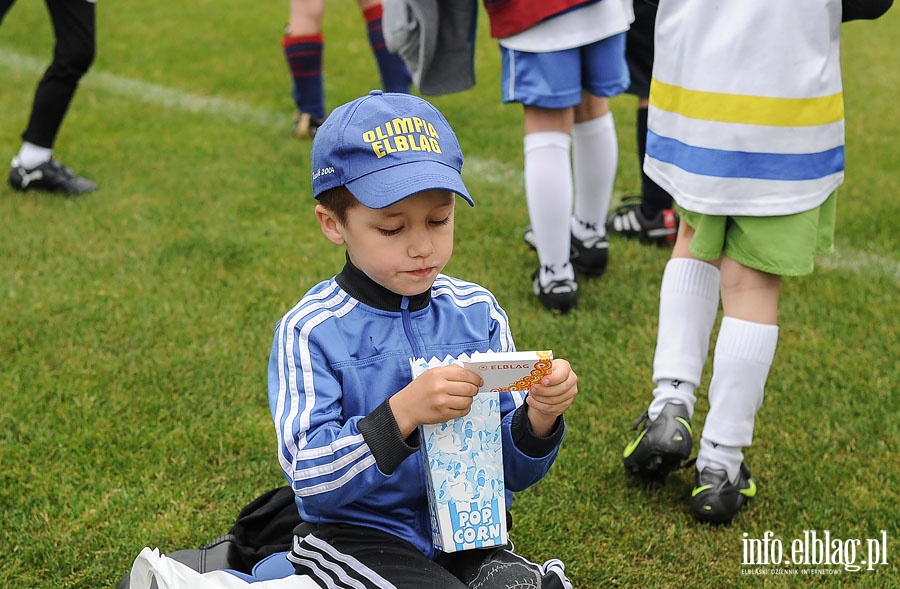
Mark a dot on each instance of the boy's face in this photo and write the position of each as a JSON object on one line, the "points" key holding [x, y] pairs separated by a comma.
{"points": [[402, 247]]}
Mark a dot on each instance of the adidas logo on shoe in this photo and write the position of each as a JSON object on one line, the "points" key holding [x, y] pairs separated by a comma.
{"points": [[628, 220]]}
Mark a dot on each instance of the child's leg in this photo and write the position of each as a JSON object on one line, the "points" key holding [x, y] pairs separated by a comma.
{"points": [[74, 25], [548, 188], [303, 46], [595, 156], [357, 556], [688, 305], [395, 76], [745, 348]]}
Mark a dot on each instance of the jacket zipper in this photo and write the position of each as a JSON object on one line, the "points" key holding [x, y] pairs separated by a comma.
{"points": [[407, 329], [425, 518]]}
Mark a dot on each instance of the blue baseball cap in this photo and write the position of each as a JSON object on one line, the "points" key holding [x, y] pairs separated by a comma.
{"points": [[385, 147]]}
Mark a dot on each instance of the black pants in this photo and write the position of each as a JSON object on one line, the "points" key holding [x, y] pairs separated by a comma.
{"points": [[639, 44], [353, 556], [74, 26]]}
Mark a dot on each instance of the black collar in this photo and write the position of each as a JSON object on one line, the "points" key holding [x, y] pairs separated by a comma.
{"points": [[364, 289]]}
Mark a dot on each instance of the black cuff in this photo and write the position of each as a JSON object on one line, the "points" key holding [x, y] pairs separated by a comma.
{"points": [[381, 432], [531, 444]]}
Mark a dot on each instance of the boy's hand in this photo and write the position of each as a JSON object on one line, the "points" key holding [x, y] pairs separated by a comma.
{"points": [[550, 399], [437, 395]]}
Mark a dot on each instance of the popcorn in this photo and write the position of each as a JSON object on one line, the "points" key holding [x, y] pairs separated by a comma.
{"points": [[464, 456]]}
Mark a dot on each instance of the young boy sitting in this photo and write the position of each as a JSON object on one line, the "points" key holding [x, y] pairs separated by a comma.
{"points": [[385, 172]]}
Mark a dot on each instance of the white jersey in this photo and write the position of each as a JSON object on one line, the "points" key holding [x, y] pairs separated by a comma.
{"points": [[746, 106], [575, 28]]}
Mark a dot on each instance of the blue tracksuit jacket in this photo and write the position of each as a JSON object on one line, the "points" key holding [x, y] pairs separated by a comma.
{"points": [[337, 357]]}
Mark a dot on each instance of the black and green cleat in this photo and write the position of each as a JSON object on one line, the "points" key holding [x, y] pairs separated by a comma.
{"points": [[716, 500], [661, 445]]}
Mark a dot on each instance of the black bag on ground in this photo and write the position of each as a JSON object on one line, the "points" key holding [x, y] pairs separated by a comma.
{"points": [[263, 527]]}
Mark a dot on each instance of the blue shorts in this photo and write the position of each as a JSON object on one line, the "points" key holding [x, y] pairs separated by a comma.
{"points": [[555, 79]]}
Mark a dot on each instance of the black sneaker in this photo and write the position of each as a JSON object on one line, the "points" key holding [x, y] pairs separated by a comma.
{"points": [[50, 176], [558, 295], [628, 220], [661, 446], [306, 126], [716, 500], [590, 256]]}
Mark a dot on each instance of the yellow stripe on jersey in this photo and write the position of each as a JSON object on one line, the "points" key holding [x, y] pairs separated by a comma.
{"points": [[749, 110]]}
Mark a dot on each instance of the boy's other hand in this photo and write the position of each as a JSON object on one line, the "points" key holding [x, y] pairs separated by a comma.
{"points": [[551, 397], [437, 395]]}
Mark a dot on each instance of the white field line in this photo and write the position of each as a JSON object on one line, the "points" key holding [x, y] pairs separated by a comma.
{"points": [[860, 262], [237, 112], [232, 110], [486, 170]]}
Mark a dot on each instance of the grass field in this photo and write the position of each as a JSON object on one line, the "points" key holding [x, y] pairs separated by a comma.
{"points": [[135, 323]]}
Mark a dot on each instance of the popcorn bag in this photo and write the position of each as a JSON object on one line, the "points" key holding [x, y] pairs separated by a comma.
{"points": [[464, 456]]}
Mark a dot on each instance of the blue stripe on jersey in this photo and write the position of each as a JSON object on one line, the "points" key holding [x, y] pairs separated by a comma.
{"points": [[742, 164]]}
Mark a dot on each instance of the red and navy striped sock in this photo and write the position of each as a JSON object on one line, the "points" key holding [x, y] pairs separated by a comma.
{"points": [[303, 54], [395, 76]]}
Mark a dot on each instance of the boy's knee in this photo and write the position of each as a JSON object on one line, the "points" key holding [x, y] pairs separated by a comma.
{"points": [[506, 569], [75, 61], [82, 59]]}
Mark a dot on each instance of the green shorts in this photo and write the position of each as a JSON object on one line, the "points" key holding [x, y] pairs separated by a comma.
{"points": [[786, 245]]}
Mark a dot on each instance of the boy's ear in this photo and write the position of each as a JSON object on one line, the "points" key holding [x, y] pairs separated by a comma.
{"points": [[329, 225]]}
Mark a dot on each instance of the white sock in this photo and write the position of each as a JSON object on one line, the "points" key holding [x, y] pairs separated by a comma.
{"points": [[743, 356], [31, 155], [595, 156], [548, 190], [688, 305], [718, 457]]}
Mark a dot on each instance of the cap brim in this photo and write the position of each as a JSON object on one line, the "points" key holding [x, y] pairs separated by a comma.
{"points": [[384, 187]]}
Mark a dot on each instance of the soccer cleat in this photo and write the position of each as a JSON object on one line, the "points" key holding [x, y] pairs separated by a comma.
{"points": [[528, 236], [716, 500], [306, 126], [589, 256], [51, 176], [558, 295], [661, 446], [629, 221]]}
